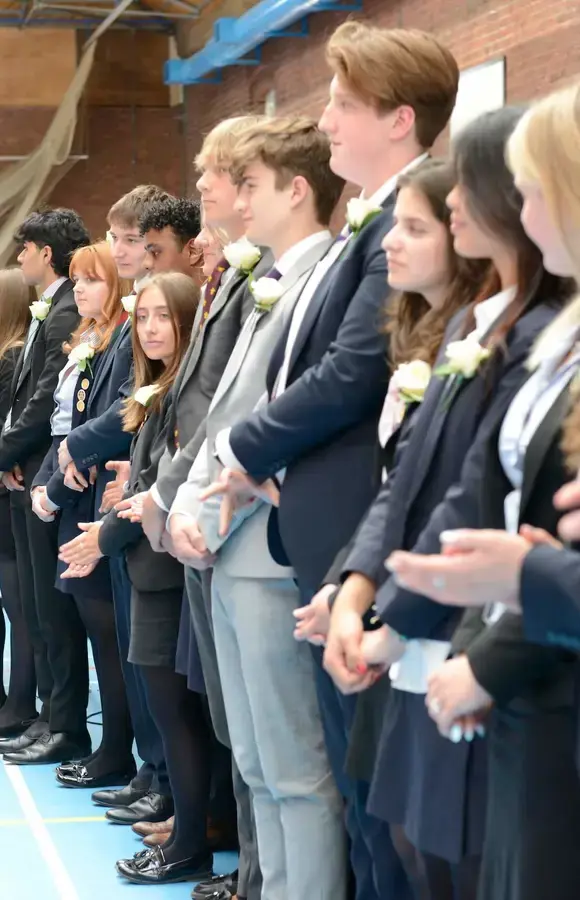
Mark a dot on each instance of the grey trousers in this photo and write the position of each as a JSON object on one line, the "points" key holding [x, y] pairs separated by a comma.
{"points": [[199, 595]]}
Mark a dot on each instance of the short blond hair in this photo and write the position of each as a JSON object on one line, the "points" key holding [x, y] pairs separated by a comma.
{"points": [[291, 146], [218, 146], [387, 68]]}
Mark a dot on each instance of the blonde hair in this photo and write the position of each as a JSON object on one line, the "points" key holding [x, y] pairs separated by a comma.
{"points": [[15, 299], [218, 146], [181, 294], [86, 260], [544, 149], [392, 67]]}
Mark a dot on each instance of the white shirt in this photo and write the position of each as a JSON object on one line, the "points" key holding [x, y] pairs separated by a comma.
{"points": [[488, 311], [319, 272]]}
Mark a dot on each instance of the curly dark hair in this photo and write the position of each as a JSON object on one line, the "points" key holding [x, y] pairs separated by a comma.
{"points": [[180, 214], [62, 230]]}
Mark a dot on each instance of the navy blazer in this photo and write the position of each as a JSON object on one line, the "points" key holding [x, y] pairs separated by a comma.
{"points": [[554, 574], [99, 436], [417, 507], [322, 428]]}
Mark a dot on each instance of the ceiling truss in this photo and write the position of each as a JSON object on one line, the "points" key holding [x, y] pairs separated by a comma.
{"points": [[88, 14]]}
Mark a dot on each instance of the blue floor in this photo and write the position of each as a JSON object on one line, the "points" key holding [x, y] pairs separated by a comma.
{"points": [[56, 845]]}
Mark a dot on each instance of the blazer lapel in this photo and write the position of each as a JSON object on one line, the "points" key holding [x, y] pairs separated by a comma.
{"points": [[106, 363], [65, 287], [541, 441], [288, 282]]}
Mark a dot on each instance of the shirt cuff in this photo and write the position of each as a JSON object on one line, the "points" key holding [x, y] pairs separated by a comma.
{"points": [[224, 452], [157, 498], [50, 504]]}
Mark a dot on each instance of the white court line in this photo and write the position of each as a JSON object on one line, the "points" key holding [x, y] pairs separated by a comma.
{"points": [[61, 878]]}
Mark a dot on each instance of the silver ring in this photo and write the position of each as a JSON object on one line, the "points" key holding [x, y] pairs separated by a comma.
{"points": [[435, 707], [438, 582]]}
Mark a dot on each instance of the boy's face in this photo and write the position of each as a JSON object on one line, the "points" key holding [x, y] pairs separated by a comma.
{"points": [[164, 253], [128, 250], [265, 209], [218, 194], [35, 262]]}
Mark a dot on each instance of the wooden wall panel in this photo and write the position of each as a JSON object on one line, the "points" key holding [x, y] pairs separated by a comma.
{"points": [[36, 66]]}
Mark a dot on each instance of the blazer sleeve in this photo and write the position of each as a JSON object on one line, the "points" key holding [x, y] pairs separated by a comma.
{"points": [[32, 428], [412, 614], [347, 384], [7, 369], [506, 665], [176, 474], [56, 489], [47, 468], [103, 438], [550, 596], [116, 534]]}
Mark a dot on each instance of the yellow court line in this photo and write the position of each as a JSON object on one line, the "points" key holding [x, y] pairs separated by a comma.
{"points": [[9, 823]]}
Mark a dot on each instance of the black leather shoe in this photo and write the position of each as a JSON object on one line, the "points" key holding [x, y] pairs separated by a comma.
{"points": [[50, 748], [79, 777], [124, 797], [220, 887], [152, 868], [26, 739], [16, 727], [150, 808], [69, 767]]}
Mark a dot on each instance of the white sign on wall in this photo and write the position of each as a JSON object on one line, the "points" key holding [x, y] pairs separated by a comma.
{"points": [[481, 89]]}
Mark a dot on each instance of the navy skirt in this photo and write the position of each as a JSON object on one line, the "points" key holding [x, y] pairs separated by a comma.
{"points": [[187, 660], [435, 790]]}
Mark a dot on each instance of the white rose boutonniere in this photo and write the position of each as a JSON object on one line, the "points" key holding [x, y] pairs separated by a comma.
{"points": [[144, 394], [129, 303], [40, 309], [267, 292], [463, 358], [81, 355], [411, 380], [242, 255], [360, 212]]}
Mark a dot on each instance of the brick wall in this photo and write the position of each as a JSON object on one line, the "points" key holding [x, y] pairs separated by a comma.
{"points": [[540, 40]]}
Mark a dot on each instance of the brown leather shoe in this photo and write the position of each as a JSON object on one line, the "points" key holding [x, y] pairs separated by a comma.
{"points": [[143, 829], [154, 840]]}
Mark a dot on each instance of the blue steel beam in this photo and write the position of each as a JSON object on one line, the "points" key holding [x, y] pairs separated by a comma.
{"points": [[234, 39]]}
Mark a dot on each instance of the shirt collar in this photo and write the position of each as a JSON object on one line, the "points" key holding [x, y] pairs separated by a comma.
{"points": [[289, 259], [489, 310], [386, 189], [51, 290]]}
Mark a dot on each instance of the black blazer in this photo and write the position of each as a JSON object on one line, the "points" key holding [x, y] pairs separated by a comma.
{"points": [[148, 571], [422, 500], [322, 428], [33, 386], [502, 661], [550, 597]]}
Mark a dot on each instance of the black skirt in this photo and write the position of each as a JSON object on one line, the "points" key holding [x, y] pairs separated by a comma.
{"points": [[155, 617], [434, 789], [532, 846]]}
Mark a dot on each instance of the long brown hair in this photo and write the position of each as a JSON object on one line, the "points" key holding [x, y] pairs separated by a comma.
{"points": [[182, 297], [415, 328], [87, 260], [15, 299]]}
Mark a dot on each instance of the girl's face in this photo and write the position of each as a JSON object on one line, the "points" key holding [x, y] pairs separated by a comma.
{"points": [[470, 240], [540, 227], [208, 243], [154, 325], [91, 292], [417, 248]]}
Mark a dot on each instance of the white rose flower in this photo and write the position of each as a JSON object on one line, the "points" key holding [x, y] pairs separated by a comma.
{"points": [[144, 394], [267, 292], [411, 380], [464, 357], [242, 255], [359, 212], [81, 354], [40, 309], [129, 303]]}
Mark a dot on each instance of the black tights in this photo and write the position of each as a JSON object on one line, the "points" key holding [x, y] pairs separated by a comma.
{"points": [[433, 878], [21, 702], [115, 751], [180, 717]]}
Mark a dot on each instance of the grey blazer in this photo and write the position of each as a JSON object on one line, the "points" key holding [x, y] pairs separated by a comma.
{"points": [[245, 553], [199, 376]]}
